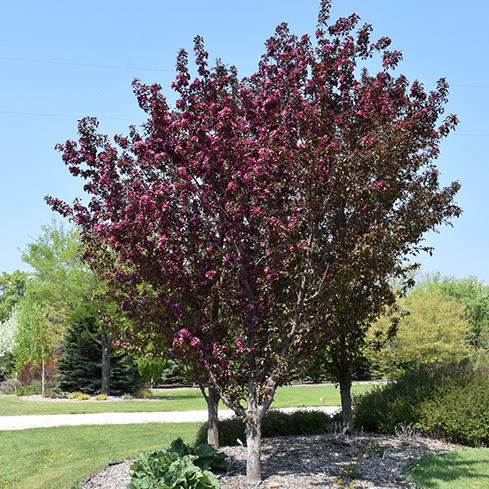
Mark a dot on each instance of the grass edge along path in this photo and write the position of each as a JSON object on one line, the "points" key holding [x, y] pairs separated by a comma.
{"points": [[61, 458], [175, 400]]}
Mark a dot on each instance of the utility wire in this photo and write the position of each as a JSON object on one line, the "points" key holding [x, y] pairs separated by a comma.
{"points": [[90, 65], [83, 64], [39, 114]]}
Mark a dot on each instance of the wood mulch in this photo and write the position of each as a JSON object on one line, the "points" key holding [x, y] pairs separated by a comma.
{"points": [[311, 462]]}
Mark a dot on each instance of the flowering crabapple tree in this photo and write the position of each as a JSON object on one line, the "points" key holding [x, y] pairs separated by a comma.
{"points": [[241, 224]]}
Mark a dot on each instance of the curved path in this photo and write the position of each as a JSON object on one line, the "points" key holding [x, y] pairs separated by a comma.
{"points": [[51, 420]]}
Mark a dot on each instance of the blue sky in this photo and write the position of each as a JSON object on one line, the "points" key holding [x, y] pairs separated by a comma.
{"points": [[61, 61]]}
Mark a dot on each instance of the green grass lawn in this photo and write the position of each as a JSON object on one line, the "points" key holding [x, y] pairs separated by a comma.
{"points": [[54, 458], [461, 469], [175, 400], [309, 395], [60, 458]]}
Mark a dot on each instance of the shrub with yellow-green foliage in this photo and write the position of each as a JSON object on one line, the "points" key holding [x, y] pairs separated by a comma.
{"points": [[143, 394], [75, 395], [101, 397], [83, 397]]}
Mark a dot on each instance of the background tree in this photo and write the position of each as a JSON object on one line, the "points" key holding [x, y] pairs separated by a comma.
{"points": [[8, 332], [150, 369], [65, 284], [240, 225], [346, 354], [12, 290], [33, 341], [81, 368], [433, 332], [475, 297]]}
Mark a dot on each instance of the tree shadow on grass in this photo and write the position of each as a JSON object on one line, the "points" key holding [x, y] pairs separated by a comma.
{"points": [[431, 470]]}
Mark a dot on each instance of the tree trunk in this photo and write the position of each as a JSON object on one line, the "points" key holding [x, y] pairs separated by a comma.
{"points": [[213, 419], [253, 444], [346, 409], [43, 373], [105, 364], [343, 374]]}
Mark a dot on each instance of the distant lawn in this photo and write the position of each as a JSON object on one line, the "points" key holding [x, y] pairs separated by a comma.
{"points": [[309, 395], [178, 400], [175, 400], [60, 458]]}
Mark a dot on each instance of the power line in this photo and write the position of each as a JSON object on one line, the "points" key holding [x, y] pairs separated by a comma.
{"points": [[39, 114], [83, 64], [90, 65]]}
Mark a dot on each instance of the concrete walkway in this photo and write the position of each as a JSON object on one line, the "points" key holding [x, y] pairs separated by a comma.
{"points": [[51, 420]]}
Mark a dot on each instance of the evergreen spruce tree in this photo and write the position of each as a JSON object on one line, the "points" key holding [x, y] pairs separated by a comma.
{"points": [[124, 375], [81, 368]]}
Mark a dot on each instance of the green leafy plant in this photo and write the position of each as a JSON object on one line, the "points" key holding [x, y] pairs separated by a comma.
{"points": [[83, 397], [208, 457], [341, 485], [162, 469], [101, 397], [351, 469]]}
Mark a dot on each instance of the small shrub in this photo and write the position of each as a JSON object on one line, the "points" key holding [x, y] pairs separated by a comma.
{"points": [[384, 407], [75, 395], [443, 402], [9, 386], [101, 397], [279, 423], [143, 394], [31, 371], [29, 390], [275, 423], [460, 410], [49, 394], [83, 397], [126, 396]]}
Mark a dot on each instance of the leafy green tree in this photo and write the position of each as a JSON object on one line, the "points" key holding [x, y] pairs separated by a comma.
{"points": [[475, 296], [12, 290], [8, 332], [150, 369], [63, 279], [468, 291], [433, 332], [66, 285], [33, 341]]}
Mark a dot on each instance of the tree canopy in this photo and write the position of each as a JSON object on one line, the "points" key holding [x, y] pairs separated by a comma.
{"points": [[12, 290], [434, 331], [259, 217]]}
